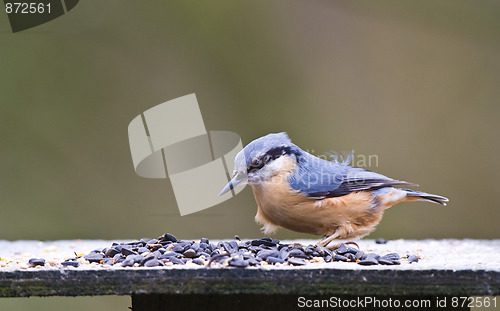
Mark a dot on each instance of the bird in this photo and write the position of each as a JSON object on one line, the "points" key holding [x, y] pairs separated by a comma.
{"points": [[304, 193]]}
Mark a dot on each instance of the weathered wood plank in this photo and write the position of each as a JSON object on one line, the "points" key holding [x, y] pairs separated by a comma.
{"points": [[249, 281], [446, 268]]}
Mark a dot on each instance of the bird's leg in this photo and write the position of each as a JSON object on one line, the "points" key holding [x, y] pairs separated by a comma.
{"points": [[332, 237], [327, 240]]}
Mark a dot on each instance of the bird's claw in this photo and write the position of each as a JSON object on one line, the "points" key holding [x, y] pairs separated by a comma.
{"points": [[337, 245], [326, 241]]}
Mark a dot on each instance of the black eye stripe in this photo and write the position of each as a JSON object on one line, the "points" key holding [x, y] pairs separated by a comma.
{"points": [[271, 155]]}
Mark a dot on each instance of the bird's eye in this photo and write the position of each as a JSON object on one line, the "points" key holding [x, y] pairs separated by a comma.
{"points": [[256, 162], [260, 162]]}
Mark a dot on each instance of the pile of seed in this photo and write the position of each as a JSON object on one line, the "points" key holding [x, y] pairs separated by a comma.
{"points": [[168, 250]]}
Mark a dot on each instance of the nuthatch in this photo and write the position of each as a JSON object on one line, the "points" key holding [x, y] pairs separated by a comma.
{"points": [[301, 192]]}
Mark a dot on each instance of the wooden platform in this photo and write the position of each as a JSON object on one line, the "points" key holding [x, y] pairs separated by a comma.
{"points": [[446, 268]]}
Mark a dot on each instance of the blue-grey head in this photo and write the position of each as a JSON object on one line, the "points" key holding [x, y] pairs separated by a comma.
{"points": [[259, 159]]}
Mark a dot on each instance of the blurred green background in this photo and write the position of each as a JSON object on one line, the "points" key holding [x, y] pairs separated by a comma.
{"points": [[416, 83]]}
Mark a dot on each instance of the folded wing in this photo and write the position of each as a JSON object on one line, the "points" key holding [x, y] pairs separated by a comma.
{"points": [[319, 178]]}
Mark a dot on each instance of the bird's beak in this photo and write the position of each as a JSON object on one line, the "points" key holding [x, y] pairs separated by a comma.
{"points": [[238, 178]]}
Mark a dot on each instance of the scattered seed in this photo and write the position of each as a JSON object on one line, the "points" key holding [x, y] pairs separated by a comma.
{"points": [[94, 257], [297, 253], [368, 262], [358, 255], [199, 261], [264, 241], [135, 258], [169, 237], [33, 262], [67, 263], [142, 250], [385, 261], [352, 250], [110, 252], [342, 249], [392, 256], [190, 253], [369, 259], [338, 257], [153, 263], [370, 256], [217, 257], [127, 263], [206, 255], [412, 258], [127, 251], [176, 261], [263, 254], [168, 250], [239, 263], [146, 259], [296, 261], [274, 260], [234, 245]]}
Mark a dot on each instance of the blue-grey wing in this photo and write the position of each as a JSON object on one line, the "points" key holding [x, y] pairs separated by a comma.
{"points": [[325, 179]]}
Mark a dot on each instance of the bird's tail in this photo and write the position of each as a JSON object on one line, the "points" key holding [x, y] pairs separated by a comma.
{"points": [[388, 196], [412, 195]]}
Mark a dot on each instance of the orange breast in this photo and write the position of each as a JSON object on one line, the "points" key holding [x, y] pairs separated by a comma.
{"points": [[352, 215]]}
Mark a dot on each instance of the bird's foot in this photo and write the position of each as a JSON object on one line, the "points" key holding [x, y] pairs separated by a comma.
{"points": [[327, 240], [337, 245]]}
